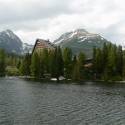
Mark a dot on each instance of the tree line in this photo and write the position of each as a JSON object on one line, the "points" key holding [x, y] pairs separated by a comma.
{"points": [[56, 63], [108, 63], [9, 64]]}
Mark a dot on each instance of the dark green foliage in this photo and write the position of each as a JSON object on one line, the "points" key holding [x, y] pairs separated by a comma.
{"points": [[67, 57], [52, 62], [25, 65], [97, 64], [76, 72], [2, 63], [44, 57], [81, 63], [47, 62], [119, 60], [123, 73], [58, 64], [35, 65], [108, 62]]}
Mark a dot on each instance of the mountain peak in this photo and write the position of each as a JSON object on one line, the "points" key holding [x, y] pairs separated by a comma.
{"points": [[80, 31], [81, 40], [9, 33], [11, 43]]}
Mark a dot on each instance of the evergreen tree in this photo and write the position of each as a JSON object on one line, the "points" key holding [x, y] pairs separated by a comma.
{"points": [[97, 62], [25, 65], [123, 70], [27, 61], [104, 57], [22, 68], [58, 63], [76, 72], [45, 60], [67, 57], [2, 62], [18, 64], [52, 63], [81, 63], [43, 55], [35, 65], [111, 63], [119, 61], [74, 60]]}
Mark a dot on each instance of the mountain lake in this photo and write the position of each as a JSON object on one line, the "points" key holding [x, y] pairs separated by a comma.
{"points": [[33, 103]]}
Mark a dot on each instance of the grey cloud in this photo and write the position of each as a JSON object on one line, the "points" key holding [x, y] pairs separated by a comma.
{"points": [[35, 17], [32, 10]]}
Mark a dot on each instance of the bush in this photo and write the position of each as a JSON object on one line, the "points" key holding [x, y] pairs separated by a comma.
{"points": [[12, 71]]}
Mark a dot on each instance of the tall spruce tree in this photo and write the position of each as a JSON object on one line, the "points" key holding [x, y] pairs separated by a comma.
{"points": [[58, 63], [111, 63], [2, 62], [45, 59], [97, 62], [25, 65], [81, 63], [52, 63], [43, 55], [123, 70], [119, 61], [76, 72], [35, 65], [67, 57]]}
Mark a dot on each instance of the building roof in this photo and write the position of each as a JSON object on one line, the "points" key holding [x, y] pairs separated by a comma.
{"points": [[41, 43]]}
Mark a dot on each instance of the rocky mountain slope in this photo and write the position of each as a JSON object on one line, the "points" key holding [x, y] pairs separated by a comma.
{"points": [[11, 43], [81, 40]]}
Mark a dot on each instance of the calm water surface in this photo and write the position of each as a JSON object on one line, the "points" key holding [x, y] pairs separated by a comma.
{"points": [[33, 103]]}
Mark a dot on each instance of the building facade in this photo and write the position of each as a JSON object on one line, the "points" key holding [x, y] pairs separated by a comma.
{"points": [[42, 44]]}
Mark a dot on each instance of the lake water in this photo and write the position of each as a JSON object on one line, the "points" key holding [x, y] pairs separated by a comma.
{"points": [[32, 103]]}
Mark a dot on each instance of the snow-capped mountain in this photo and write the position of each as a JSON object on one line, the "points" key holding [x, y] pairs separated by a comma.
{"points": [[11, 43], [81, 40]]}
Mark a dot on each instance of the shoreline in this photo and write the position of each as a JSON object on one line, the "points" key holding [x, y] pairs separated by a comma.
{"points": [[29, 78]]}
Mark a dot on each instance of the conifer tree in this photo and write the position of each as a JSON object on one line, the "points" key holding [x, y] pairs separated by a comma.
{"points": [[25, 65], [81, 62], [35, 65], [119, 61], [111, 63], [67, 57], [97, 62], [2, 62], [76, 72], [123, 70], [45, 58], [58, 63]]}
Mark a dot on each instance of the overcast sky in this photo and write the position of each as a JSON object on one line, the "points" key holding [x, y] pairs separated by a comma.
{"points": [[48, 19]]}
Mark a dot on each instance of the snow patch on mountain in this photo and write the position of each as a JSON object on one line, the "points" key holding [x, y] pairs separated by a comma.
{"points": [[80, 34], [73, 34], [59, 41]]}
